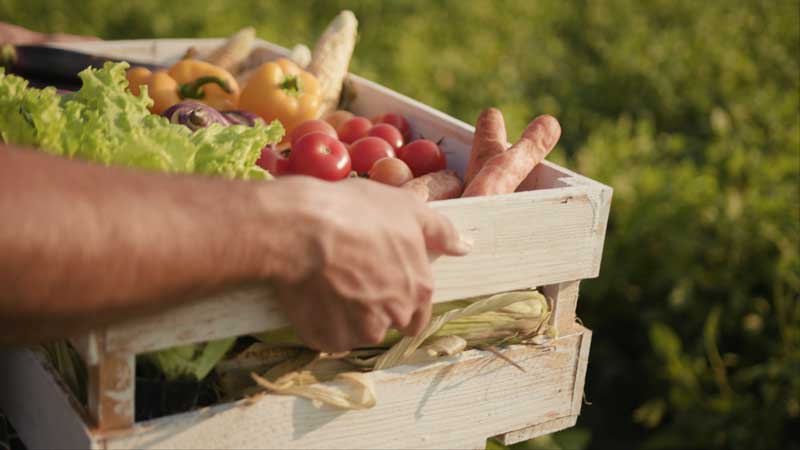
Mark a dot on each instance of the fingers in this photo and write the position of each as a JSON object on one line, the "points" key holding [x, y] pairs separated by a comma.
{"points": [[441, 235], [419, 320]]}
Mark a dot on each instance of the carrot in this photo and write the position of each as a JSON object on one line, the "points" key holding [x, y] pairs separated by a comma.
{"points": [[489, 140], [503, 173], [439, 185]]}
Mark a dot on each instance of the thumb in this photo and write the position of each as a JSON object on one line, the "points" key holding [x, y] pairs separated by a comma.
{"points": [[441, 236]]}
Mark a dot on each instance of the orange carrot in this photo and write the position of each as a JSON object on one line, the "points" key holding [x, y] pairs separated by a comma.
{"points": [[439, 185], [504, 172], [489, 140]]}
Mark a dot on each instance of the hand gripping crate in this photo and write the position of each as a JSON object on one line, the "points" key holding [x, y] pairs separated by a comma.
{"points": [[549, 234]]}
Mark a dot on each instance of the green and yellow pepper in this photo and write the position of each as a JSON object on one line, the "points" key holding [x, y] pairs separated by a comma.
{"points": [[188, 79], [281, 90]]}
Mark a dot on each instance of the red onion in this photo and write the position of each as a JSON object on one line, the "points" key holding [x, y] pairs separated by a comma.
{"points": [[194, 115]]}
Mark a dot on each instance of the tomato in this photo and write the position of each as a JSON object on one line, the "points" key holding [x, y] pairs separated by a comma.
{"points": [[274, 161], [397, 121], [365, 151], [338, 117], [309, 126], [319, 155], [391, 171], [388, 133], [354, 129], [423, 156]]}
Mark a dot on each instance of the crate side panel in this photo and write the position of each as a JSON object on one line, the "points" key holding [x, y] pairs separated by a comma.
{"points": [[520, 241], [422, 407]]}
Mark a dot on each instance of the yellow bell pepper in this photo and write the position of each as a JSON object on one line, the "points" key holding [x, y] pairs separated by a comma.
{"points": [[188, 79], [281, 90]]}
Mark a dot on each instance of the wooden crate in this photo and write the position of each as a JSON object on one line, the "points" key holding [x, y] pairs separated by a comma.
{"points": [[549, 234]]}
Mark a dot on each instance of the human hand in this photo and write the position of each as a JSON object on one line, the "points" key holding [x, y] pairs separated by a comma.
{"points": [[16, 35], [363, 251]]}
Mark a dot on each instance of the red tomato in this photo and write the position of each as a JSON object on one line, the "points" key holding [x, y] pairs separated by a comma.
{"points": [[365, 151], [319, 155], [423, 156], [311, 126], [397, 121], [388, 133], [274, 161], [354, 129], [391, 171]]}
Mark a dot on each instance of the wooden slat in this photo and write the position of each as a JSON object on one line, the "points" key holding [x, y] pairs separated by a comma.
{"points": [[563, 299], [580, 371], [561, 423], [38, 404], [455, 403]]}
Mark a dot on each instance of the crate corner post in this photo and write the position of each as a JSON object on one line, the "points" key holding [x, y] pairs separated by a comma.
{"points": [[111, 386]]}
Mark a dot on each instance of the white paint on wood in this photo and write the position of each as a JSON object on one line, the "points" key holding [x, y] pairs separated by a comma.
{"points": [[455, 403], [38, 404]]}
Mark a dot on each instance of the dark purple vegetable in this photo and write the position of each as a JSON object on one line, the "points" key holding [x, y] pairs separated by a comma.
{"points": [[194, 115], [52, 66], [241, 117]]}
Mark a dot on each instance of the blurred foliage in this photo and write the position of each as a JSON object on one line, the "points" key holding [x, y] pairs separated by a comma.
{"points": [[689, 110]]}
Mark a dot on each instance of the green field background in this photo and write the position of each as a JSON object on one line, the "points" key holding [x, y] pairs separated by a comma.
{"points": [[688, 109]]}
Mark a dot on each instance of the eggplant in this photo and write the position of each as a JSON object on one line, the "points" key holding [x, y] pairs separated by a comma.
{"points": [[194, 115], [241, 117], [54, 66]]}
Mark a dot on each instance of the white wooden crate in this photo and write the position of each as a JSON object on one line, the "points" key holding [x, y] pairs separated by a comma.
{"points": [[549, 234]]}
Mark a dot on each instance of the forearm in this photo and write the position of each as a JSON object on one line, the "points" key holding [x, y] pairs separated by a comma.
{"points": [[81, 244]]}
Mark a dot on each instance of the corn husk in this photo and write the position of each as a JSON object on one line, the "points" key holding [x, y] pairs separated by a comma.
{"points": [[476, 328], [484, 322]]}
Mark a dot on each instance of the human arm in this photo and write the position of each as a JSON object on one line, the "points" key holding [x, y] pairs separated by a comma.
{"points": [[17, 35], [82, 244]]}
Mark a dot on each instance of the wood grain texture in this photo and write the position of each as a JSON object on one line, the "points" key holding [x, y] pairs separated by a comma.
{"points": [[454, 403], [561, 423], [38, 404]]}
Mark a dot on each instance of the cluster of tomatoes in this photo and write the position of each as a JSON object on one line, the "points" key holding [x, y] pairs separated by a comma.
{"points": [[343, 145]]}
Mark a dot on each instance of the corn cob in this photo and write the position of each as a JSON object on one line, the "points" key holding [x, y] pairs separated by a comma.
{"points": [[300, 54], [331, 58], [234, 51]]}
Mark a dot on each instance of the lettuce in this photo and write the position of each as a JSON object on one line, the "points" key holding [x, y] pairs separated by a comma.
{"points": [[103, 122]]}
